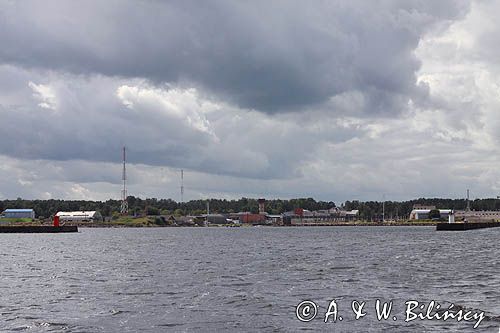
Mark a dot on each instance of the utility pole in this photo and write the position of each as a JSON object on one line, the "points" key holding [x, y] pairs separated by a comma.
{"points": [[468, 202], [383, 209]]}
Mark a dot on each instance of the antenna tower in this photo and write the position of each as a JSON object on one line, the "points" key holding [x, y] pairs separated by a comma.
{"points": [[182, 185], [124, 205]]}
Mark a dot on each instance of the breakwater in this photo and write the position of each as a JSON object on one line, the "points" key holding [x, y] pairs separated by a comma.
{"points": [[37, 229], [465, 226]]}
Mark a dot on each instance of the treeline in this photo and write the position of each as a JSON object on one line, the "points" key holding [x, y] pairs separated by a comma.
{"points": [[372, 210], [369, 210], [153, 206]]}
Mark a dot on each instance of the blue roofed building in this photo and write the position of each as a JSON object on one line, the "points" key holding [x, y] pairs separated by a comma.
{"points": [[19, 213]]}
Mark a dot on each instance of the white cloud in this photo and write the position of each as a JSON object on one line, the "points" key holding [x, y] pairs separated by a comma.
{"points": [[184, 105], [45, 95]]}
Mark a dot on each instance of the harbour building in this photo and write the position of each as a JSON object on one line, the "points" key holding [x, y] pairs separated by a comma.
{"points": [[80, 216], [19, 213], [423, 214]]}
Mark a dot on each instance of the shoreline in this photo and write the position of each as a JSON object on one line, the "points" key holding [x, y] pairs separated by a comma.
{"points": [[268, 226], [310, 224]]}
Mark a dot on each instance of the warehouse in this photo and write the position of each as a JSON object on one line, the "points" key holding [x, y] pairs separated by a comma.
{"points": [[80, 216], [477, 215], [423, 214], [19, 213]]}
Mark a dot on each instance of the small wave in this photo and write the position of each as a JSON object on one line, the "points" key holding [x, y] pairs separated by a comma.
{"points": [[169, 325], [117, 312], [20, 328], [339, 268], [136, 293], [61, 326]]}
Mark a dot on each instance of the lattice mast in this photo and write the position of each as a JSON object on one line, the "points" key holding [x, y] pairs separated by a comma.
{"points": [[124, 204], [182, 185]]}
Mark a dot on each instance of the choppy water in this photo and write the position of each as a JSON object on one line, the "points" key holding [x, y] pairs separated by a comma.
{"points": [[242, 279]]}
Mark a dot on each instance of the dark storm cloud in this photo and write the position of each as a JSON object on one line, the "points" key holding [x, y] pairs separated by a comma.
{"points": [[269, 56]]}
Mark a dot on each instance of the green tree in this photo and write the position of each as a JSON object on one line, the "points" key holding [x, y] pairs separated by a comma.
{"points": [[152, 211]]}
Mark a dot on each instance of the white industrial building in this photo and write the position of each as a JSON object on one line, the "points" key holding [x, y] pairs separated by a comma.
{"points": [[478, 214], [80, 216], [423, 214]]}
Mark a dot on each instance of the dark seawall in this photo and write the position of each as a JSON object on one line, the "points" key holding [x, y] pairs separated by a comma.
{"points": [[37, 229], [465, 226]]}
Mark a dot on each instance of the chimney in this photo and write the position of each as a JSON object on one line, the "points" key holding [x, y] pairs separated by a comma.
{"points": [[262, 206]]}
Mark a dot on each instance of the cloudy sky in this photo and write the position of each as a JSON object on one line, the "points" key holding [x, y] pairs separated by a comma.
{"points": [[337, 100]]}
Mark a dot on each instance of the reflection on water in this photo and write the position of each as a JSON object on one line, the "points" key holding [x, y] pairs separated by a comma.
{"points": [[242, 279]]}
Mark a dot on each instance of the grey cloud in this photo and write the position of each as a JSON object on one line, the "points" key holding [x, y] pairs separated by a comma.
{"points": [[279, 56], [341, 65], [163, 126]]}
